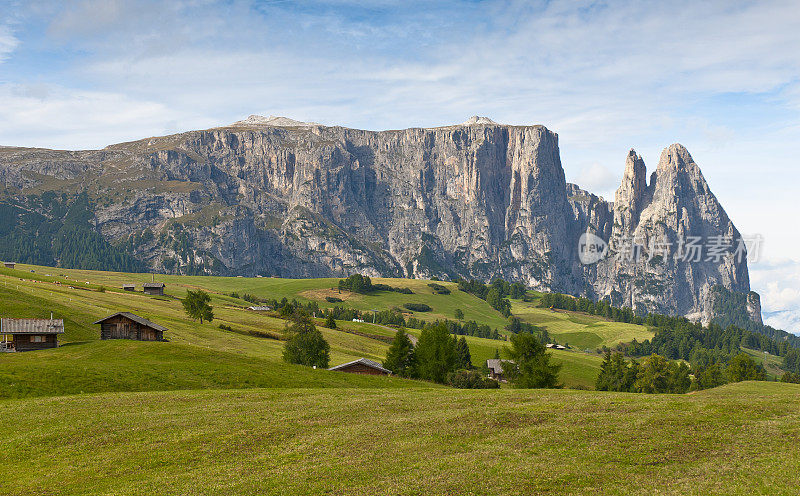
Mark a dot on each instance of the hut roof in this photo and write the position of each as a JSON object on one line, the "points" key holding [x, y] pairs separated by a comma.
{"points": [[134, 318], [363, 361], [153, 285], [31, 326], [496, 364]]}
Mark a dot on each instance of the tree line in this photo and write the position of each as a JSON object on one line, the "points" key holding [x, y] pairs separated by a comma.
{"points": [[679, 338], [440, 357], [657, 374]]}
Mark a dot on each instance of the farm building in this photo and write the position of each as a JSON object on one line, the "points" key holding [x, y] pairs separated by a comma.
{"points": [[125, 325], [362, 366], [260, 308], [129, 287], [153, 288], [30, 334], [495, 366], [9, 265]]}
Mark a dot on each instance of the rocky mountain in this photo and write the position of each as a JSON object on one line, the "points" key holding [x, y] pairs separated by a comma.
{"points": [[274, 196]]}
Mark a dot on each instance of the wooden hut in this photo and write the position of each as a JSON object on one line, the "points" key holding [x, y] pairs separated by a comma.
{"points": [[9, 265], [125, 325], [495, 366], [30, 334], [362, 366], [129, 287], [153, 288]]}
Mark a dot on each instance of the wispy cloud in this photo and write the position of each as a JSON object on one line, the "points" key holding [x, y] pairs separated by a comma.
{"points": [[721, 77]]}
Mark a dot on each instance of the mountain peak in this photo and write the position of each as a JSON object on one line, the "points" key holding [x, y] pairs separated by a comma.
{"points": [[477, 120], [273, 120], [676, 156]]}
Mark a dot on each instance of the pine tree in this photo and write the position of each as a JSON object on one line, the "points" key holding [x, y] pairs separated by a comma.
{"points": [[306, 345], [400, 358], [436, 353], [530, 365], [464, 357], [330, 322]]}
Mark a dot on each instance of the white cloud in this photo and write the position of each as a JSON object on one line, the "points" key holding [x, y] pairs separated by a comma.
{"points": [[778, 283], [7, 42], [66, 116], [598, 179]]}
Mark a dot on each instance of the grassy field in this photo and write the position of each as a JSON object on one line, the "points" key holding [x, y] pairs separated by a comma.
{"points": [[579, 330], [304, 290], [737, 439], [203, 355]]}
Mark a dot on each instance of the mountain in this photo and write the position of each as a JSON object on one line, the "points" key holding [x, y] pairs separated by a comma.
{"points": [[275, 196]]}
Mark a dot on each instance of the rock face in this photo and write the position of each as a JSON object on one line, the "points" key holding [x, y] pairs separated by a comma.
{"points": [[273, 196]]}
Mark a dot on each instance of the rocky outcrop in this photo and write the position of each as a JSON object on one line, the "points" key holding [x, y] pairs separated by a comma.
{"points": [[273, 196]]}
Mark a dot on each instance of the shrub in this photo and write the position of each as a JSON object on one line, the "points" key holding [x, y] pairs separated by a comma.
{"points": [[471, 379], [333, 299], [417, 307], [439, 289]]}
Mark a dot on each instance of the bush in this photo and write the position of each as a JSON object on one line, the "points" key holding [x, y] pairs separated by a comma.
{"points": [[439, 289], [417, 307], [471, 379], [333, 299]]}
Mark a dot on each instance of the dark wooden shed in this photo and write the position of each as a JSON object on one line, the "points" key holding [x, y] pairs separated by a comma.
{"points": [[125, 325], [30, 334], [362, 366], [153, 288], [129, 287], [9, 265]]}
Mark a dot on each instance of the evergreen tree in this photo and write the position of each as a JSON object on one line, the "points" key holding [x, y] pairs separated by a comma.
{"points": [[743, 368], [464, 357], [436, 353], [459, 314], [306, 345], [330, 322], [530, 363], [400, 358]]}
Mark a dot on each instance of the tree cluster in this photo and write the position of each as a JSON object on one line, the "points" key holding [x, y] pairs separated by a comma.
{"points": [[657, 374], [305, 344], [436, 354]]}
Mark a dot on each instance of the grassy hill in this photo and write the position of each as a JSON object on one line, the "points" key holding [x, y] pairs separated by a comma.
{"points": [[737, 439], [580, 330], [241, 360]]}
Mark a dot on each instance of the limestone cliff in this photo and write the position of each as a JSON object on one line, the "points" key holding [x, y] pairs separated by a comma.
{"points": [[273, 196]]}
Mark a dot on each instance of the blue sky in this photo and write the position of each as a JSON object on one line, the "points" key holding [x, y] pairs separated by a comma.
{"points": [[722, 78]]}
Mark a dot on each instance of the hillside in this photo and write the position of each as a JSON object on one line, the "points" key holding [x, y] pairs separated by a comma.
{"points": [[737, 439], [203, 355]]}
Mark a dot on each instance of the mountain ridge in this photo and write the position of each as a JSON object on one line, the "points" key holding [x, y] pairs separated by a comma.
{"points": [[475, 200]]}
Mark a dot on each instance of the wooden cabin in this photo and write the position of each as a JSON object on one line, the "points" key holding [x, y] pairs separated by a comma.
{"points": [[153, 288], [125, 325], [129, 287], [362, 366], [495, 366], [9, 265], [30, 334]]}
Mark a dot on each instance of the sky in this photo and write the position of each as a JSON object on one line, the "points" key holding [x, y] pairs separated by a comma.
{"points": [[720, 77]]}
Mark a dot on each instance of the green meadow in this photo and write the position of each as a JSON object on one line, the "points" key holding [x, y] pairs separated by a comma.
{"points": [[736, 439], [579, 330], [215, 411]]}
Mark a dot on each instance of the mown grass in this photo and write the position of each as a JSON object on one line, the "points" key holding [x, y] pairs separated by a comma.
{"points": [[122, 365], [737, 439], [579, 330]]}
